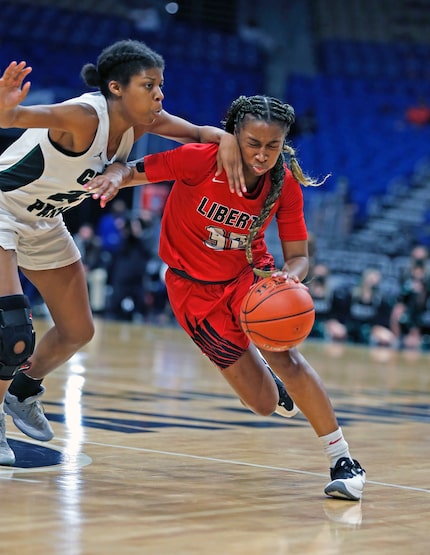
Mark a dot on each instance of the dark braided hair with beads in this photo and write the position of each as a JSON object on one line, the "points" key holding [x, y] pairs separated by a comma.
{"points": [[270, 110], [119, 62]]}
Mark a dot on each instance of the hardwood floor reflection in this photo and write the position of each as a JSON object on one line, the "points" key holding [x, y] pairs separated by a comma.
{"points": [[155, 455]]}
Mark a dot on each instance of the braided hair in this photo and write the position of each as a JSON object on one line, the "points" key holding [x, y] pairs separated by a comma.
{"points": [[119, 62], [270, 110]]}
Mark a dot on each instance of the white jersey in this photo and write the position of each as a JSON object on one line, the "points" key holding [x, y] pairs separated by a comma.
{"points": [[38, 180]]}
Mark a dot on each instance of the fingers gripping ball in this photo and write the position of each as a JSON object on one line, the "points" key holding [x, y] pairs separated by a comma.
{"points": [[277, 314]]}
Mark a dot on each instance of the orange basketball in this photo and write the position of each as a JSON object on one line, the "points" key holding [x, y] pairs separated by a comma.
{"points": [[277, 314]]}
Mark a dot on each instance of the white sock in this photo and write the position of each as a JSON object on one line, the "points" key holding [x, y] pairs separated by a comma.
{"points": [[1, 407], [335, 446]]}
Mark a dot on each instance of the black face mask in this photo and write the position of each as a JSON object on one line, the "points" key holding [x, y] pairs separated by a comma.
{"points": [[419, 262], [320, 280]]}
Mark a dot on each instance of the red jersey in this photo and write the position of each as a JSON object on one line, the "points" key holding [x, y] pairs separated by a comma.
{"points": [[205, 226]]}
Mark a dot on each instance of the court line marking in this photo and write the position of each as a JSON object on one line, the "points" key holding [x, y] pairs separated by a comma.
{"points": [[70, 461], [84, 460], [243, 463]]}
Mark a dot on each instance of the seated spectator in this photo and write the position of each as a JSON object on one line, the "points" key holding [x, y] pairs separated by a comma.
{"points": [[367, 312], [110, 225], [95, 262], [410, 318], [127, 276], [157, 302], [326, 302]]}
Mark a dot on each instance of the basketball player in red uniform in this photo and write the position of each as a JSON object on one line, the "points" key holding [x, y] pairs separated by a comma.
{"points": [[212, 240]]}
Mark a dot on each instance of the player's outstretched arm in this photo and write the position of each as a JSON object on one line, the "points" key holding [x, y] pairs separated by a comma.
{"points": [[115, 177], [12, 92], [229, 157]]}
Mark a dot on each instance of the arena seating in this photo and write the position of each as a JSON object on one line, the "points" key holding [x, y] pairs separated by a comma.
{"points": [[369, 71]]}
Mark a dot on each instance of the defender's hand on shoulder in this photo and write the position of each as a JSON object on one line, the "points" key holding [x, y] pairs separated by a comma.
{"points": [[230, 160]]}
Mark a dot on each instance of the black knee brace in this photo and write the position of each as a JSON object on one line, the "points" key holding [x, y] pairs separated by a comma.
{"points": [[15, 326]]}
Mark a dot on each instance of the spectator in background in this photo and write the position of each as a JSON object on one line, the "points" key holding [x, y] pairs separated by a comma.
{"points": [[110, 225], [419, 263], [153, 199], [156, 300], [410, 318], [367, 312], [128, 299], [326, 302], [95, 261]]}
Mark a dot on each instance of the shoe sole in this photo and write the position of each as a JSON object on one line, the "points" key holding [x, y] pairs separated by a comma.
{"points": [[24, 430], [7, 462], [338, 489], [287, 413]]}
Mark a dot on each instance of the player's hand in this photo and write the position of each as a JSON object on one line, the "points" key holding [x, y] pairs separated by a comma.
{"points": [[12, 90], [230, 160], [106, 186], [285, 274], [103, 187]]}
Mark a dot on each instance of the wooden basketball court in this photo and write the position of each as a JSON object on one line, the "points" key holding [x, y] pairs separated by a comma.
{"points": [[154, 455]]}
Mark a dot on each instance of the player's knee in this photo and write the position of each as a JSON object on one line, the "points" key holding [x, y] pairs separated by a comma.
{"points": [[264, 406], [88, 332], [268, 411], [265, 409], [17, 337], [83, 335]]}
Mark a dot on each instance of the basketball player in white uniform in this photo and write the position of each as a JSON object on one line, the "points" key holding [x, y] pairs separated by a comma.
{"points": [[41, 175]]}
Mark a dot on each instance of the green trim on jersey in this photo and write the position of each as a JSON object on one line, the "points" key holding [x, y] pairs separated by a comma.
{"points": [[25, 171]]}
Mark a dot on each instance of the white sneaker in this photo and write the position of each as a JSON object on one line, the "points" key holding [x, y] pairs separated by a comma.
{"points": [[347, 480], [7, 456], [29, 416]]}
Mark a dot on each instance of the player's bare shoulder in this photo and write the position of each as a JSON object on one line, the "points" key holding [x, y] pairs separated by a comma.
{"points": [[74, 125], [81, 111]]}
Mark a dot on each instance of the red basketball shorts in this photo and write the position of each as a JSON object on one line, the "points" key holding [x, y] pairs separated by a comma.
{"points": [[209, 313]]}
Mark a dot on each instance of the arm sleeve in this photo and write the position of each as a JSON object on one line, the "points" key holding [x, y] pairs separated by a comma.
{"points": [[290, 214]]}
